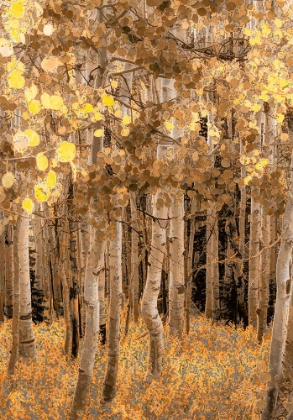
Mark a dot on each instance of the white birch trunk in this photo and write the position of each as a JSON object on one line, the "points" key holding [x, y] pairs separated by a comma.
{"points": [[115, 262], [27, 345], [278, 352]]}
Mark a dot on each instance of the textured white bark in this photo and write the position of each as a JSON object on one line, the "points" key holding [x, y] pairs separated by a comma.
{"points": [[94, 266], [134, 274], [176, 267], [266, 228], [149, 308], [27, 345], [115, 263], [16, 296], [279, 351], [254, 247], [212, 309]]}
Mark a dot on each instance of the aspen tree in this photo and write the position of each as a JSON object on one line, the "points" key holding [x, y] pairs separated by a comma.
{"points": [[266, 227], [134, 274], [8, 307], [27, 345], [190, 260], [149, 308], [14, 354], [212, 309], [254, 245], [95, 265], [115, 265], [151, 291], [2, 270], [280, 352], [94, 273]]}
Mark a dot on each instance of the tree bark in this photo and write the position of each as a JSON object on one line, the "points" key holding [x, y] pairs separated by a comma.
{"points": [[27, 345]]}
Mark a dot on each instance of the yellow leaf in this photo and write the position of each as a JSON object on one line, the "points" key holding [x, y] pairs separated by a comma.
{"points": [[28, 205], [247, 31], [97, 117], [33, 137], [126, 120], [265, 29], [41, 162], [34, 107], [30, 93], [262, 164], [214, 133], [99, 133], [8, 180], [169, 125], [114, 84], [51, 180], [280, 118], [125, 132], [46, 100], [88, 107], [17, 10], [41, 192], [56, 102], [16, 80], [66, 151], [107, 100], [278, 23], [264, 96], [256, 107], [15, 65]]}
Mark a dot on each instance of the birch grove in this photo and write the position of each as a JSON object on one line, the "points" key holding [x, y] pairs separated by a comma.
{"points": [[145, 187]]}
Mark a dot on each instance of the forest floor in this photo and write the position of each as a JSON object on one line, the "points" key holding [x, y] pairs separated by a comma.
{"points": [[218, 372]]}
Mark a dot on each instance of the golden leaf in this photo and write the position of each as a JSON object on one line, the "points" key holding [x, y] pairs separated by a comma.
{"points": [[28, 205], [8, 180], [34, 107], [126, 120], [17, 10], [56, 102], [41, 192], [46, 100], [41, 162], [66, 151], [51, 180], [107, 100], [33, 137], [99, 133], [169, 125], [30, 93], [16, 80]]}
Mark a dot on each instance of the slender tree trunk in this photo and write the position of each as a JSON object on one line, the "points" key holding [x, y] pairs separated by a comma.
{"points": [[14, 354], [27, 345], [151, 291], [212, 268], [282, 309], [8, 307], [134, 276], [2, 273], [115, 262], [94, 267], [190, 260], [176, 268]]}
